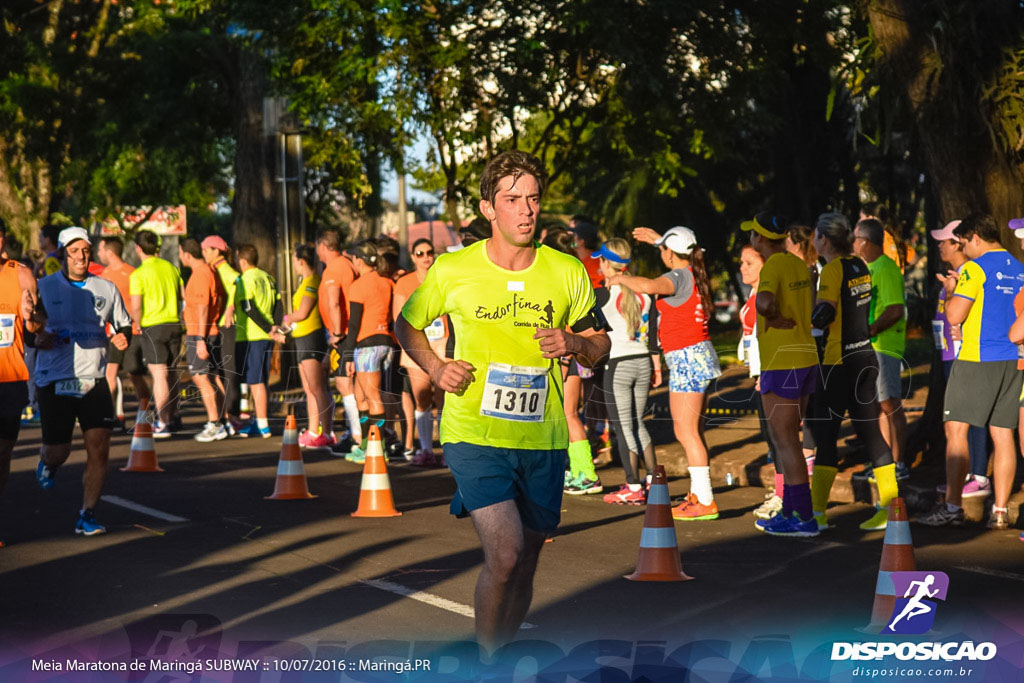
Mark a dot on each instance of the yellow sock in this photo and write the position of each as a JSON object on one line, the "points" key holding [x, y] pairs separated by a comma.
{"points": [[821, 486], [885, 480]]}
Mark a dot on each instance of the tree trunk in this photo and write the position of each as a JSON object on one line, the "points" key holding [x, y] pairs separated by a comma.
{"points": [[254, 207], [965, 172]]}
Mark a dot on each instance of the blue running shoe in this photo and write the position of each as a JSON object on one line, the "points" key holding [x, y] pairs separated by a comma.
{"points": [[44, 475], [87, 524], [791, 526], [255, 431]]}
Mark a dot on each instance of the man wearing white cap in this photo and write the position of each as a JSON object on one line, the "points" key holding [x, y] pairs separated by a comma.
{"points": [[70, 368]]}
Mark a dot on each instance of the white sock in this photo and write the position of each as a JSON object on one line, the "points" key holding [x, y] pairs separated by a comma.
{"points": [[352, 415], [635, 487], [425, 429], [263, 423], [951, 507], [980, 479], [700, 484]]}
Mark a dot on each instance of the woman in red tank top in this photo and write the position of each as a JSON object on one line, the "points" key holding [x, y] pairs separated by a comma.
{"points": [[684, 299]]}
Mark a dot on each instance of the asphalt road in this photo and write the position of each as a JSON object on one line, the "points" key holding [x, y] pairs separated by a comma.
{"points": [[237, 576]]}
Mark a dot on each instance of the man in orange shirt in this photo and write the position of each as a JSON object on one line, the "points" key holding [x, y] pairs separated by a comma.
{"points": [[332, 297], [110, 251], [204, 300], [18, 297]]}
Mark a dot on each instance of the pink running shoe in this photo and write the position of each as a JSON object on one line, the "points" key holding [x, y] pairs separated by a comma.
{"points": [[307, 438], [625, 496]]}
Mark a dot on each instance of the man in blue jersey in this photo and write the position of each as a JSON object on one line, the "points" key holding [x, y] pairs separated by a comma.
{"points": [[984, 385], [71, 368]]}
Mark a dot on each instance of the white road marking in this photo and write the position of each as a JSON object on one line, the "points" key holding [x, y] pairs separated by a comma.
{"points": [[428, 598], [166, 516], [994, 572]]}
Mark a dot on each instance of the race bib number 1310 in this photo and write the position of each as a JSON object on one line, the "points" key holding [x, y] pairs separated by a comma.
{"points": [[515, 393]]}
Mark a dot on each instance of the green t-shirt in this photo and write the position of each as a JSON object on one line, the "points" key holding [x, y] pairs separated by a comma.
{"points": [[159, 283], [227, 276], [257, 285], [887, 290], [515, 400]]}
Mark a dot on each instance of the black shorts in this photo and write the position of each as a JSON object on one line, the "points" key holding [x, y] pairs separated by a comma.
{"points": [[983, 393], [312, 346], [13, 399], [57, 414], [337, 367], [161, 344], [197, 365], [130, 359]]}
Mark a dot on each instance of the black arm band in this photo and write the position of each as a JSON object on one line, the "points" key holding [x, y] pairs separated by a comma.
{"points": [[594, 319], [823, 315]]}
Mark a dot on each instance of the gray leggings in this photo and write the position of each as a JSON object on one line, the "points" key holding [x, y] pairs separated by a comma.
{"points": [[627, 381]]}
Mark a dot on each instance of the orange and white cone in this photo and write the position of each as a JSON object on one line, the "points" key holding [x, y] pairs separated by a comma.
{"points": [[291, 475], [658, 559], [142, 456], [375, 490], [897, 556]]}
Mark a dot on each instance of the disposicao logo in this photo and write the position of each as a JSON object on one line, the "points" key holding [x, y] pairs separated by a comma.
{"points": [[914, 613]]}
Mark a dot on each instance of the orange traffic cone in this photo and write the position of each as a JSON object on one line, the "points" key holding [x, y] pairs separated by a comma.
{"points": [[142, 456], [658, 559], [291, 476], [375, 490], [897, 556]]}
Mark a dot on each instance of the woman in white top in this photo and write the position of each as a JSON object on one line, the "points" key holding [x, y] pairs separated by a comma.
{"points": [[632, 322]]}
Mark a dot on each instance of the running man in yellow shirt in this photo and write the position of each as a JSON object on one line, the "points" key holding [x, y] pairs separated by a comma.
{"points": [[503, 427]]}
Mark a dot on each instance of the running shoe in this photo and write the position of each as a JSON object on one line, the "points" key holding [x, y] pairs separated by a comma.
{"points": [[253, 430], [581, 486], [321, 442], [29, 417], [771, 506], [356, 455], [998, 520], [87, 524], [342, 447], [793, 525], [423, 458], [942, 516], [626, 496], [691, 510], [973, 489], [306, 438], [902, 473], [212, 431], [567, 479], [878, 521], [45, 475], [161, 430]]}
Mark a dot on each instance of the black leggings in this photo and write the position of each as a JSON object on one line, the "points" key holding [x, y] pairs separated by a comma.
{"points": [[849, 387]]}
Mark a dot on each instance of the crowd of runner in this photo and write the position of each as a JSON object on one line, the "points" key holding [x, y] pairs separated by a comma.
{"points": [[823, 335]]}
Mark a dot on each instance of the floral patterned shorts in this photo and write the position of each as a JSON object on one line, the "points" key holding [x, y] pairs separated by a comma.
{"points": [[690, 370]]}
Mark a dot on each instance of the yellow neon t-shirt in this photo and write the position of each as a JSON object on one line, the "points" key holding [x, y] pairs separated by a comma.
{"points": [[159, 283], [515, 400]]}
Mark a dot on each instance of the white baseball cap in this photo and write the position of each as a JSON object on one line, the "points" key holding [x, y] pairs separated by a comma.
{"points": [[679, 239], [69, 235]]}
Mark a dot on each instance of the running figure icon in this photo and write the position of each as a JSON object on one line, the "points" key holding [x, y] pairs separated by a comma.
{"points": [[915, 607]]}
